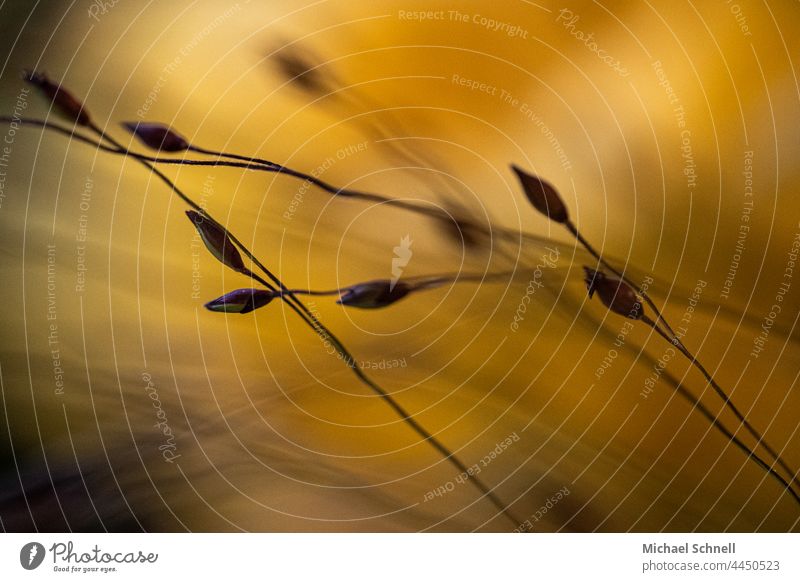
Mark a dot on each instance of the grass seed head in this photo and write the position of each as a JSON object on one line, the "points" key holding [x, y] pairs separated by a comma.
{"points": [[63, 101], [615, 294], [374, 294], [544, 197], [157, 136], [217, 241], [241, 301]]}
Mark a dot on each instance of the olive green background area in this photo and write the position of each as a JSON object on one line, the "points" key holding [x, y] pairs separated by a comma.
{"points": [[272, 431]]}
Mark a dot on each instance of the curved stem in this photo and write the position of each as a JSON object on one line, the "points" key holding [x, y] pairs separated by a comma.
{"points": [[419, 283], [732, 437], [730, 405], [242, 158]]}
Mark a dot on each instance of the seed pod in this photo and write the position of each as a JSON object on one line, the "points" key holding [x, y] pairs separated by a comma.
{"points": [[157, 136], [217, 241], [544, 197], [615, 294], [241, 301], [67, 105], [374, 294]]}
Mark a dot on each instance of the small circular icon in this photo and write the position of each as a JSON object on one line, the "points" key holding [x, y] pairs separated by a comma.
{"points": [[31, 555]]}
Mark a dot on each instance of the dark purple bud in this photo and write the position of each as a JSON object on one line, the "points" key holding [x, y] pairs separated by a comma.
{"points": [[241, 301], [374, 294], [615, 294], [67, 105], [157, 136], [544, 197], [217, 241]]}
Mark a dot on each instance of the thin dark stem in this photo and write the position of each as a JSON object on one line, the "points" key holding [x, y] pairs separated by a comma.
{"points": [[310, 319], [265, 165], [425, 282], [753, 432], [318, 292], [239, 157], [419, 283], [733, 438], [729, 403]]}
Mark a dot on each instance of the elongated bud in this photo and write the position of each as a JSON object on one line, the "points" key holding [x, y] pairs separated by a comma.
{"points": [[157, 136], [615, 294], [217, 241], [544, 197], [374, 294], [67, 105], [241, 301]]}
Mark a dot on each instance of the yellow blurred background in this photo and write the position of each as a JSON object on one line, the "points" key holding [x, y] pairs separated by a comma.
{"points": [[426, 101]]}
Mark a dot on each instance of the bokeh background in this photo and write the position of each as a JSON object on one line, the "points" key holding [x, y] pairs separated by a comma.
{"points": [[426, 101]]}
